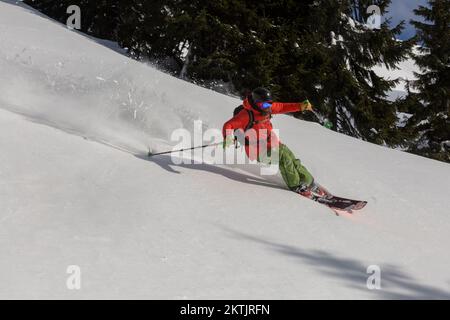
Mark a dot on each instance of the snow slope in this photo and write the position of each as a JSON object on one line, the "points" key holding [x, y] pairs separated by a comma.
{"points": [[142, 228]]}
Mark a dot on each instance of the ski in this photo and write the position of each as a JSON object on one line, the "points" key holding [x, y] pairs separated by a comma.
{"points": [[335, 203], [342, 204]]}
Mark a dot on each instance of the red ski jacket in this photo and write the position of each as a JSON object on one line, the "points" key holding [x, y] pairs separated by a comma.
{"points": [[262, 125]]}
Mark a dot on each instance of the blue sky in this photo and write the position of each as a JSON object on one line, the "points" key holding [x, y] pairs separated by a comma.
{"points": [[403, 10]]}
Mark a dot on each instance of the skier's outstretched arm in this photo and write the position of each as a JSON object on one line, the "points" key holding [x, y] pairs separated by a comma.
{"points": [[281, 107]]}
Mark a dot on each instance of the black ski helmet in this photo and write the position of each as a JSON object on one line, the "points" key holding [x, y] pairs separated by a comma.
{"points": [[260, 97], [261, 94]]}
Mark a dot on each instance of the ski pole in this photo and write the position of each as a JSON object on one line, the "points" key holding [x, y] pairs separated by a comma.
{"points": [[151, 154], [319, 117], [323, 121]]}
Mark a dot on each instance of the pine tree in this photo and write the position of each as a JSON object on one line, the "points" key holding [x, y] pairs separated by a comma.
{"points": [[316, 49], [349, 92], [98, 18], [432, 108]]}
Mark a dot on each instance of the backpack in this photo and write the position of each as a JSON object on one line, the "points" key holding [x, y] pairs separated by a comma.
{"points": [[251, 116], [239, 134]]}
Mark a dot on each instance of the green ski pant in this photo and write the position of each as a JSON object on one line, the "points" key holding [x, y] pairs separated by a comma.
{"points": [[292, 171]]}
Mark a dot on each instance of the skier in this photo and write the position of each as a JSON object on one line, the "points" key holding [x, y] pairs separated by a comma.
{"points": [[255, 113]]}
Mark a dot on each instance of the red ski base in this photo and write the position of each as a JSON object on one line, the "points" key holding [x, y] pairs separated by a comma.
{"points": [[342, 204], [337, 203]]}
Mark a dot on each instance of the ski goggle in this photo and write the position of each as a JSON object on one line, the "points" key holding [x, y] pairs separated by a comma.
{"points": [[264, 104]]}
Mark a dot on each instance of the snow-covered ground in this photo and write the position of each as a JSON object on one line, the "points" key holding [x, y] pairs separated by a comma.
{"points": [[76, 189]]}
